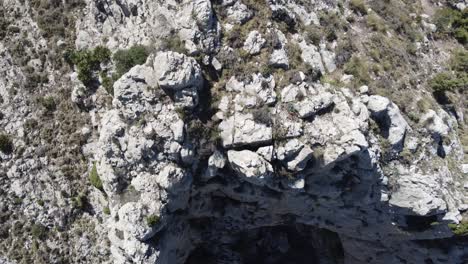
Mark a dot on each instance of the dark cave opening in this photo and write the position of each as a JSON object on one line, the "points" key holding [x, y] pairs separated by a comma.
{"points": [[291, 244]]}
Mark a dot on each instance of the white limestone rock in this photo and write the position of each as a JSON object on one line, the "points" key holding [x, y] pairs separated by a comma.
{"points": [[279, 59], [238, 13], [175, 71], [216, 162], [311, 106], [250, 166], [241, 130], [435, 124], [419, 194], [388, 115], [254, 43], [294, 154]]}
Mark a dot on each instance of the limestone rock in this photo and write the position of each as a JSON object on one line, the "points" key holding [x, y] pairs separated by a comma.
{"points": [[419, 194], [279, 59], [294, 154], [250, 166], [309, 107], [238, 13], [177, 71], [241, 129], [388, 115], [254, 43], [215, 163]]}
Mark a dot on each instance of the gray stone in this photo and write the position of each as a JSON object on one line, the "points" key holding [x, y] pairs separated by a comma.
{"points": [[254, 43], [250, 166]]}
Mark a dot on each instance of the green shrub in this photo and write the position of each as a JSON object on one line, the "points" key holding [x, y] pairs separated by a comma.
{"points": [[452, 22], [358, 6], [38, 231], [108, 83], [262, 115], [87, 62], [106, 210], [375, 23], [125, 59], [152, 220], [460, 229], [173, 43], [459, 61], [359, 69], [446, 81], [314, 34], [48, 103], [6, 144], [79, 201], [94, 178]]}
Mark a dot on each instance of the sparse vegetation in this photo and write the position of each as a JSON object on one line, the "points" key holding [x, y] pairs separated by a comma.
{"points": [[48, 103], [456, 79], [460, 229], [152, 220], [375, 23], [79, 201], [358, 6], [38, 231], [452, 22], [173, 43], [88, 62], [125, 59], [359, 69], [94, 178]]}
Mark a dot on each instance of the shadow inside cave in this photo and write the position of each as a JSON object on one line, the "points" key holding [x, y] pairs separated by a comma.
{"points": [[293, 244]]}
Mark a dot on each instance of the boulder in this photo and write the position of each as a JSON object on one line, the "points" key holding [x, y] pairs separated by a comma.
{"points": [[250, 166], [238, 13], [294, 155], [279, 59], [215, 163], [435, 124], [312, 106], [241, 130], [311, 55], [254, 43], [175, 71], [418, 194], [390, 120]]}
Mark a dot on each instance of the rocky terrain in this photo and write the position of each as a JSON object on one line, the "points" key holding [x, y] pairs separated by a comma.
{"points": [[233, 131]]}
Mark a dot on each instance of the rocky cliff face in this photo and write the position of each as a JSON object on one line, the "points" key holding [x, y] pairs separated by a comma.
{"points": [[268, 131]]}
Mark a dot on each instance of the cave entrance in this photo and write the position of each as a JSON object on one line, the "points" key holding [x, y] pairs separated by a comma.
{"points": [[284, 244]]}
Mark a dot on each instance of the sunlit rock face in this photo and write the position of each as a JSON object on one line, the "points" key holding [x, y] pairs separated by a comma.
{"points": [[232, 131]]}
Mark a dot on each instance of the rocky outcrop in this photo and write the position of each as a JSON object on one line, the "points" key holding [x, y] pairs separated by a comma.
{"points": [[254, 43], [253, 132], [250, 166], [391, 122]]}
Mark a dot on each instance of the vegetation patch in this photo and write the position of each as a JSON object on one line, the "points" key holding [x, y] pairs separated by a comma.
{"points": [[358, 6], [48, 103], [94, 178], [125, 59], [359, 69], [152, 220], [452, 22], [88, 62], [460, 229], [453, 80]]}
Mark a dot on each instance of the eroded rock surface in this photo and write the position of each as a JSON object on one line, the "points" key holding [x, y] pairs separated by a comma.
{"points": [[247, 132]]}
